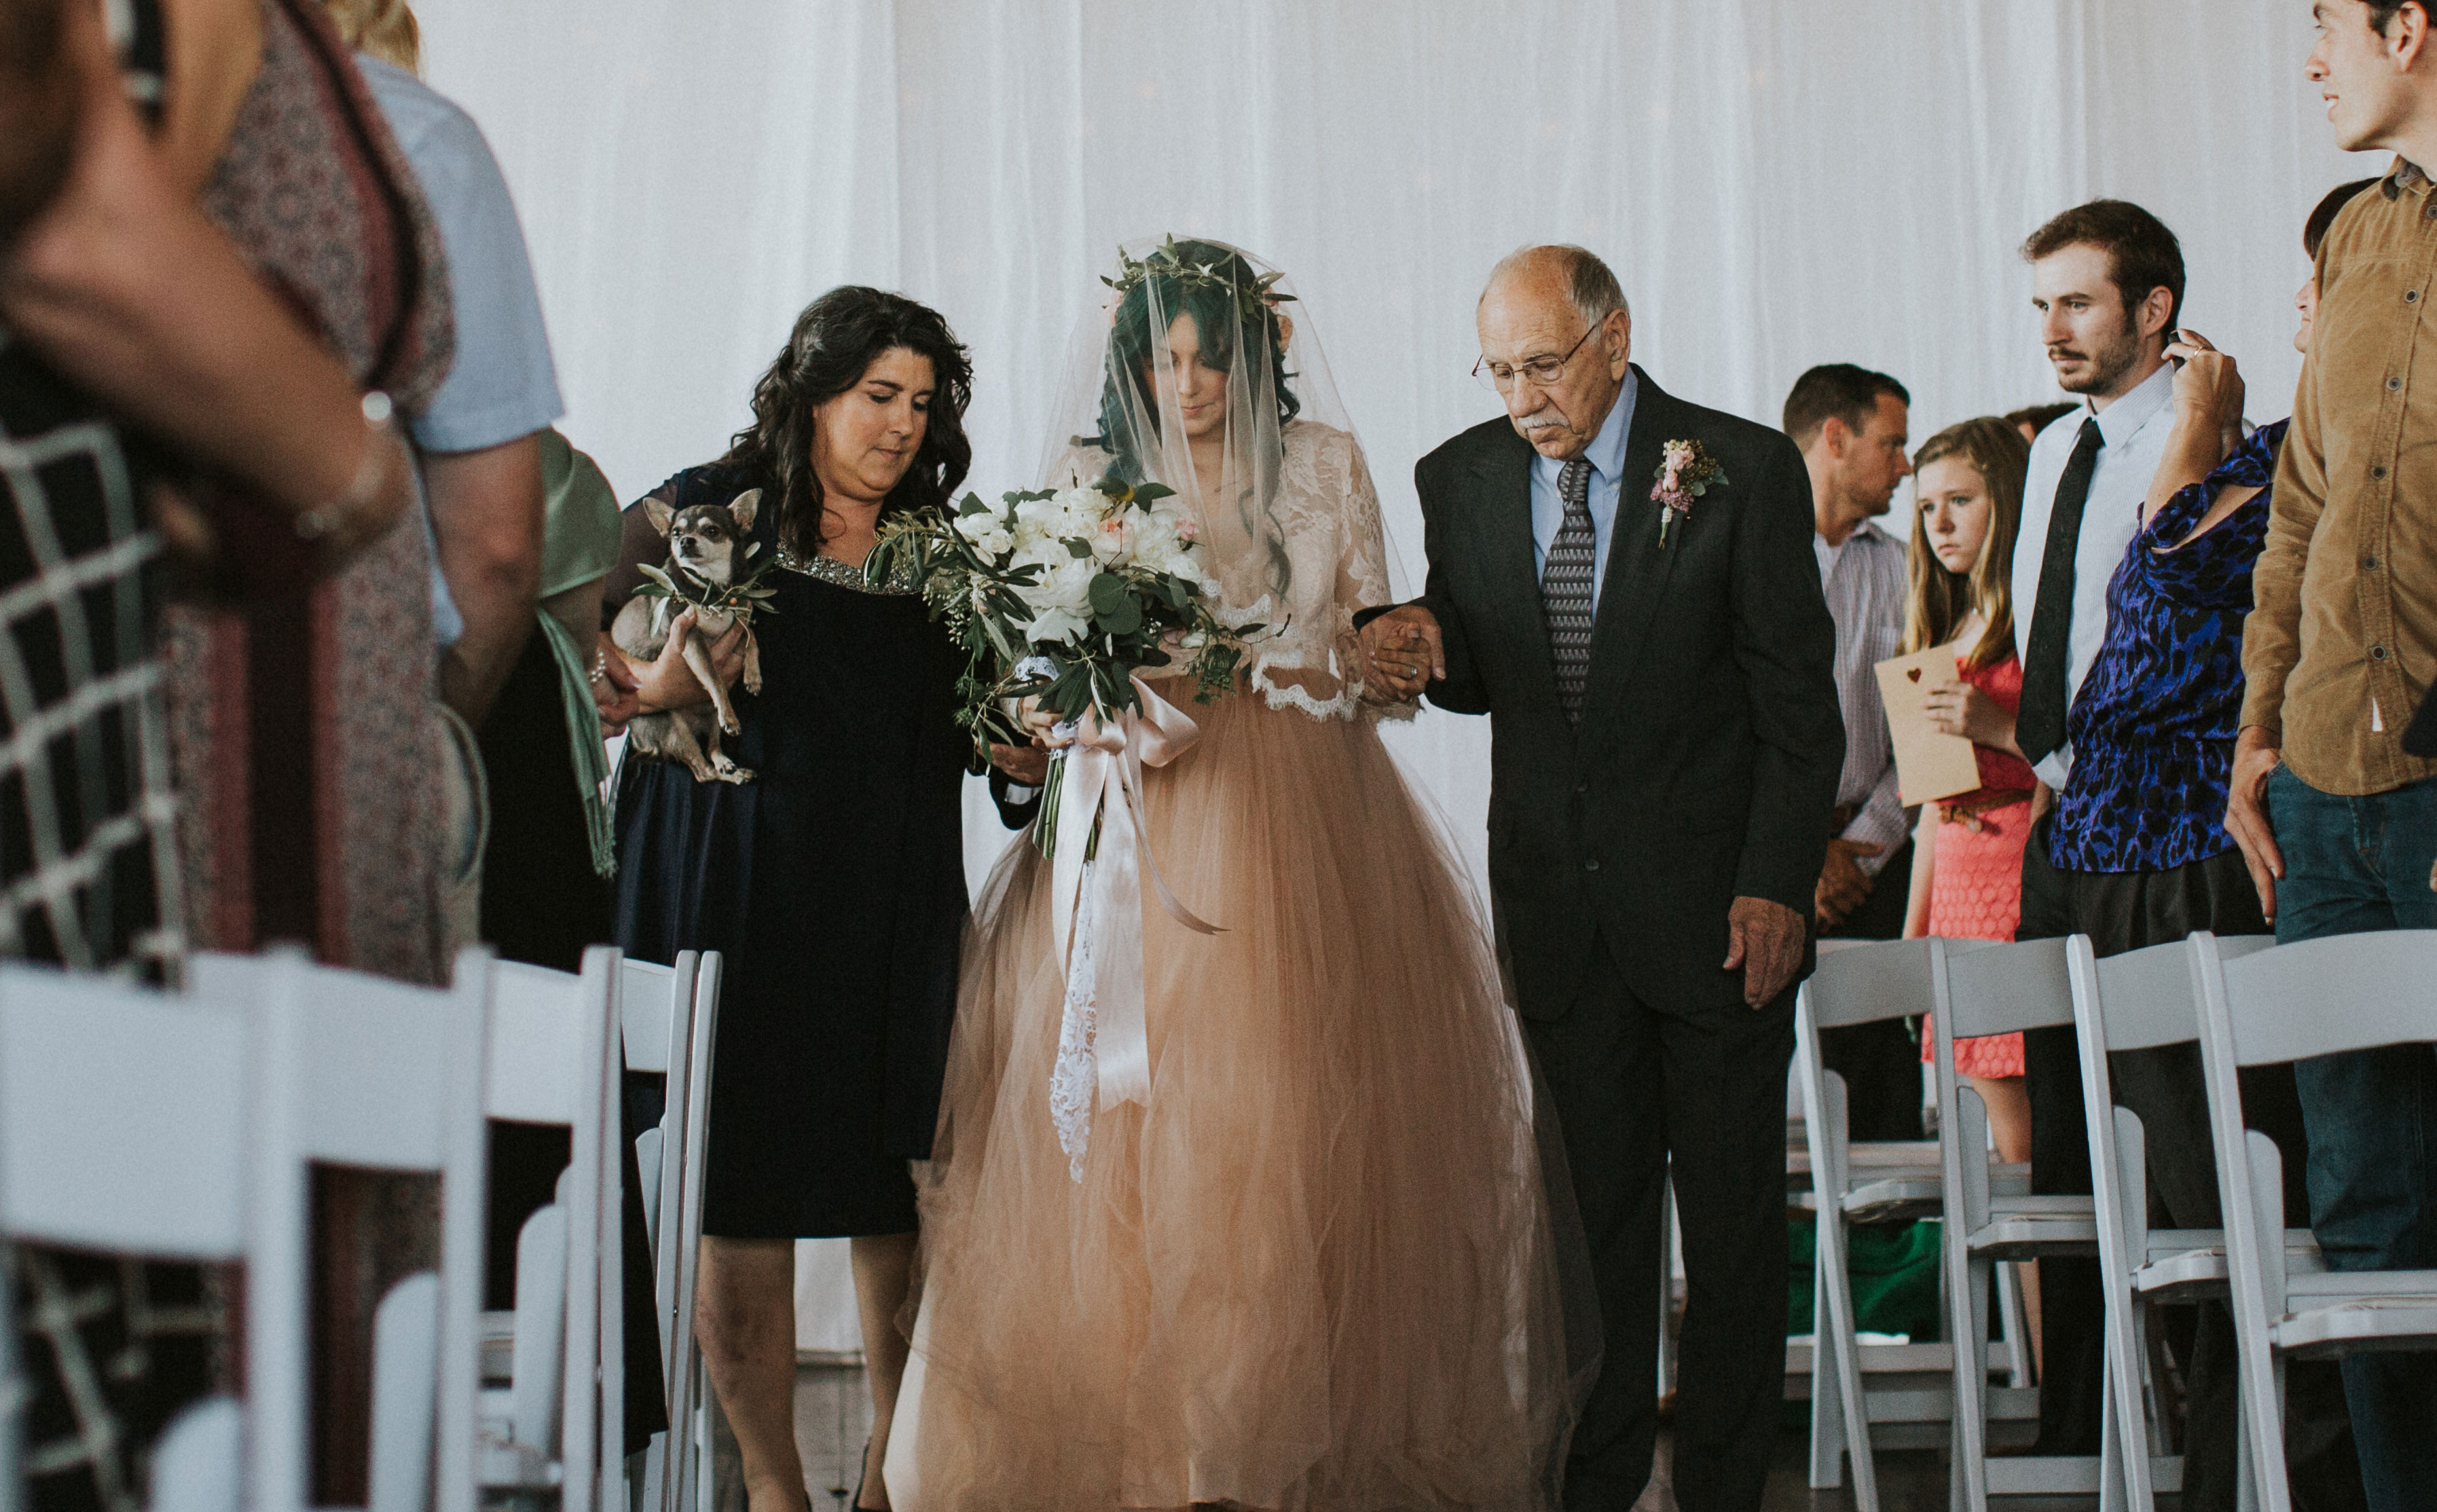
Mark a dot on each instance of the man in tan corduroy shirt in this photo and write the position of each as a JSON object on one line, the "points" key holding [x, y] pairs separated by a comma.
{"points": [[2339, 822]]}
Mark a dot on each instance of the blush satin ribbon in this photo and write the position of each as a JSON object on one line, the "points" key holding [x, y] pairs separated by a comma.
{"points": [[1103, 782]]}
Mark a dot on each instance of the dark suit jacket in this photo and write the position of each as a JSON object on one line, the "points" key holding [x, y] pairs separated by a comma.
{"points": [[1706, 763]]}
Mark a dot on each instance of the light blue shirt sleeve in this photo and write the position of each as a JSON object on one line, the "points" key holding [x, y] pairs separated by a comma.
{"points": [[1606, 457], [502, 384]]}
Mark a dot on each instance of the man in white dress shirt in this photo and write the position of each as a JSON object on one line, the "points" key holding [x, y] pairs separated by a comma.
{"points": [[1850, 424], [2107, 279]]}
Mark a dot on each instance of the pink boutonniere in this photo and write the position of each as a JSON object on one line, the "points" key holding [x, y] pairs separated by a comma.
{"points": [[1685, 473]]}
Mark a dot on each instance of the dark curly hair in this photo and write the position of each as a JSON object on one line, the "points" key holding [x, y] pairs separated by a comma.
{"points": [[835, 340], [1218, 322]]}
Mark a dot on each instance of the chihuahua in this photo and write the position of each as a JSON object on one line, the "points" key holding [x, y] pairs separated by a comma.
{"points": [[709, 548]]}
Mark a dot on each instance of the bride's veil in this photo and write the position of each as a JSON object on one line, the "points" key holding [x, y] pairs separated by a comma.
{"points": [[1291, 528]]}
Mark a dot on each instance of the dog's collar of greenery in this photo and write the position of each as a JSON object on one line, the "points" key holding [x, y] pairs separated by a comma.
{"points": [[690, 586], [1258, 297]]}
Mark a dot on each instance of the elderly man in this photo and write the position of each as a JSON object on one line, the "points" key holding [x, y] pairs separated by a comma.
{"points": [[1664, 759]]}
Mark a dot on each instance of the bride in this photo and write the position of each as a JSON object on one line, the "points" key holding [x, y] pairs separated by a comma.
{"points": [[1316, 1268]]}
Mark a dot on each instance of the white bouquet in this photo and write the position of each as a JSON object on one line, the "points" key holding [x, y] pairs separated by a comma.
{"points": [[1062, 596]]}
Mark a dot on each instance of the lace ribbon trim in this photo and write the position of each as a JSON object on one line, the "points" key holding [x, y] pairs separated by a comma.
{"points": [[1349, 705], [1074, 1078]]}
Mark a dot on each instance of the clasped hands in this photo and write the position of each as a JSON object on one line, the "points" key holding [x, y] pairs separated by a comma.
{"points": [[1403, 651]]}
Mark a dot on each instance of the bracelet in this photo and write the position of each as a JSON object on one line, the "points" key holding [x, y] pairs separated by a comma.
{"points": [[599, 666], [378, 416]]}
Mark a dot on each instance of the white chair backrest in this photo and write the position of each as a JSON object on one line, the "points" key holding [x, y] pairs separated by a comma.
{"points": [[1860, 982], [2005, 988], [2325, 996], [406, 1389], [2148, 998], [552, 1060], [655, 1017], [199, 1464], [685, 1476], [123, 1121], [538, 1044], [654, 1007], [361, 1070]]}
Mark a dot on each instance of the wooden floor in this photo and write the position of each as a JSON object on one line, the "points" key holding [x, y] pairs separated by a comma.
{"points": [[834, 1414]]}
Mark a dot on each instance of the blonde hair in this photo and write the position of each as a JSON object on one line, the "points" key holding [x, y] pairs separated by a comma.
{"points": [[1940, 601], [384, 29]]}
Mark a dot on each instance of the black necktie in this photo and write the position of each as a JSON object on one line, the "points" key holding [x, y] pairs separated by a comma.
{"points": [[2039, 725], [1566, 588]]}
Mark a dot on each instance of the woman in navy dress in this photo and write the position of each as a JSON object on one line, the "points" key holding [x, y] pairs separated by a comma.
{"points": [[833, 881]]}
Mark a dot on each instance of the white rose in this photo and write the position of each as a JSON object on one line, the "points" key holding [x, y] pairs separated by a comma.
{"points": [[1064, 585], [1114, 541]]}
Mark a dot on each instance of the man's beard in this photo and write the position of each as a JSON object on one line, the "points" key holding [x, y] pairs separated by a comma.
{"points": [[2108, 364]]}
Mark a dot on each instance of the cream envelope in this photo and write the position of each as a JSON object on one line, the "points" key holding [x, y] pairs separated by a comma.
{"points": [[1930, 764]]}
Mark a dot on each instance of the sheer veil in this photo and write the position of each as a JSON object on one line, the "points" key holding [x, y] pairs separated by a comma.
{"points": [[1291, 522]]}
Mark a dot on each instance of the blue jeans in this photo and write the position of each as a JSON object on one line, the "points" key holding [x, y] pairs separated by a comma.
{"points": [[2354, 865]]}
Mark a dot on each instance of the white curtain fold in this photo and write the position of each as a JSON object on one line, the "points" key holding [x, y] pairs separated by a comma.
{"points": [[1777, 182]]}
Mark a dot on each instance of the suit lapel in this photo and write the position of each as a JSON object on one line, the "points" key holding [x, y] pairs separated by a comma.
{"points": [[1504, 478], [1638, 566]]}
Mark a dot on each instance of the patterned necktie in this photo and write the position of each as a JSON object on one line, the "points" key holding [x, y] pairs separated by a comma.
{"points": [[2039, 725], [1566, 588]]}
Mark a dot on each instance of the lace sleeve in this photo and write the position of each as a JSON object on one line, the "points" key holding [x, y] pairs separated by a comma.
{"points": [[1330, 513], [1362, 583]]}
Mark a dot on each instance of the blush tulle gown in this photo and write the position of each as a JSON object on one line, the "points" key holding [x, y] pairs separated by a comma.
{"points": [[1318, 1269]]}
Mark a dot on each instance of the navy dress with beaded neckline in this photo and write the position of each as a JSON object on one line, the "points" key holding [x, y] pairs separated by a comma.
{"points": [[832, 884]]}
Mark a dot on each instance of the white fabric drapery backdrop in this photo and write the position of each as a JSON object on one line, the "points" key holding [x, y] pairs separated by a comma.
{"points": [[1777, 183]]}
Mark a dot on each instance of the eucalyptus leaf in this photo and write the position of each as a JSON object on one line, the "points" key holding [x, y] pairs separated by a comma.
{"points": [[1109, 590]]}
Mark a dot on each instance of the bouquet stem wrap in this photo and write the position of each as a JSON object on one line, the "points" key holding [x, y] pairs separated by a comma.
{"points": [[1104, 1042]]}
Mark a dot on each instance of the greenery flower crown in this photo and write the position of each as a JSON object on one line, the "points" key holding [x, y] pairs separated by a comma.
{"points": [[1255, 298]]}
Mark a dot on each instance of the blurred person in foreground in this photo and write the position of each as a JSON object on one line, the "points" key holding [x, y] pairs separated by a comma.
{"points": [[161, 382]]}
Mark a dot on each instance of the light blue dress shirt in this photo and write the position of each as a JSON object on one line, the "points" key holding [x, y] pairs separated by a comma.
{"points": [[1606, 456]]}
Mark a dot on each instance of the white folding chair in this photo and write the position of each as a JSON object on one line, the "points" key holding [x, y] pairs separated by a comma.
{"points": [[551, 1059], [686, 1486], [1894, 1395], [358, 1070], [656, 1027], [2312, 998], [124, 1128], [656, 1031], [1996, 990], [2144, 999]]}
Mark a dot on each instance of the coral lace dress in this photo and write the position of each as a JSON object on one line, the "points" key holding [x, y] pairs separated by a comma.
{"points": [[1976, 888]]}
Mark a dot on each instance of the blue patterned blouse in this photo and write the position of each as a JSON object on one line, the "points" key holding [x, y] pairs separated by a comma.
{"points": [[2153, 724]]}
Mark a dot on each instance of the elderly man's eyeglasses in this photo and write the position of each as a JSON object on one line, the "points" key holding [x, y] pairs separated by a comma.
{"points": [[1542, 370]]}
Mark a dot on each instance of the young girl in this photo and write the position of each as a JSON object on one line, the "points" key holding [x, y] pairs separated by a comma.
{"points": [[1967, 854]]}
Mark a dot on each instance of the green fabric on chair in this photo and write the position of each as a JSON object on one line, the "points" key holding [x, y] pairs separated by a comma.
{"points": [[1894, 1272]]}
